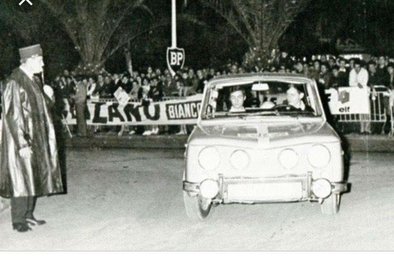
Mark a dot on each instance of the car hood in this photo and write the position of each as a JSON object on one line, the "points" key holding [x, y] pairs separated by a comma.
{"points": [[266, 133]]}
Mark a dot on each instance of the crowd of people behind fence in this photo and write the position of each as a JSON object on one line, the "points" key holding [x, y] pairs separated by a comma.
{"points": [[155, 84]]}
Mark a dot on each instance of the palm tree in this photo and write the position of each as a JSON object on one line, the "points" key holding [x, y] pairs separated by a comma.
{"points": [[260, 23], [98, 28]]}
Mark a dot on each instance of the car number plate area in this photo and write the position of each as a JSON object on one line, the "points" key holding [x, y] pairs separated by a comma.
{"points": [[270, 191]]}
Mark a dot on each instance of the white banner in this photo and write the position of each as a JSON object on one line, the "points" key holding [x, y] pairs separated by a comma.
{"points": [[172, 112], [348, 100]]}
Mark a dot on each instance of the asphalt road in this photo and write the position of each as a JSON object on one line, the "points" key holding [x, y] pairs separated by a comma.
{"points": [[132, 200]]}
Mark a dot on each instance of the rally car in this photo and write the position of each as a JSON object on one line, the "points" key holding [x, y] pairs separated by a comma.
{"points": [[262, 138]]}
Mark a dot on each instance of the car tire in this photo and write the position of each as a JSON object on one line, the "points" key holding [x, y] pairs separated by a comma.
{"points": [[197, 208], [330, 205]]}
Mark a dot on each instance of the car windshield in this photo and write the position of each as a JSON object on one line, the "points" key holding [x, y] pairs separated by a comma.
{"points": [[261, 98]]}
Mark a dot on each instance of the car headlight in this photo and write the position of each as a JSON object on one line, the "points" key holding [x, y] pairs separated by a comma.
{"points": [[288, 158], [319, 156], [209, 188], [239, 159], [209, 158], [321, 188]]}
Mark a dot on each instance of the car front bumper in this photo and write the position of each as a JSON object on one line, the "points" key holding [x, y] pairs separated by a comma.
{"points": [[273, 189]]}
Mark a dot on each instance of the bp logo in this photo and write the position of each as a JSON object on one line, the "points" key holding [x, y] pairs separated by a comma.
{"points": [[175, 59]]}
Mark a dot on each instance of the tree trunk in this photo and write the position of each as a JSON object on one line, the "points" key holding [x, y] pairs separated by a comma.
{"points": [[260, 56], [129, 61]]}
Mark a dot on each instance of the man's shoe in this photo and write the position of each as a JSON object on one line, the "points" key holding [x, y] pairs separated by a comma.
{"points": [[21, 227], [35, 222]]}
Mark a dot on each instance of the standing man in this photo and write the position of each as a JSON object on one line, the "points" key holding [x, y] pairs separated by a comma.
{"points": [[358, 78], [81, 105], [343, 74], [29, 158], [382, 75]]}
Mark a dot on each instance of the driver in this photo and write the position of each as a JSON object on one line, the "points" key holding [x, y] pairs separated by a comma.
{"points": [[237, 98], [294, 98]]}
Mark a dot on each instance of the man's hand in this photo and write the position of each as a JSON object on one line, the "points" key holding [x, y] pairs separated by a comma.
{"points": [[25, 152], [49, 91]]}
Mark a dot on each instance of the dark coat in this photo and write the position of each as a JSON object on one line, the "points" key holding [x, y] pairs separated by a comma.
{"points": [[343, 78], [27, 123], [382, 76], [156, 92]]}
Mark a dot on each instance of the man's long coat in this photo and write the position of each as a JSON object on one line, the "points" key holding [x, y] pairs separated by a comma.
{"points": [[27, 122]]}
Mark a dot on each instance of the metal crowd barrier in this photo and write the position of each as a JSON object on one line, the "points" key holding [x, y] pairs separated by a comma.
{"points": [[381, 107]]}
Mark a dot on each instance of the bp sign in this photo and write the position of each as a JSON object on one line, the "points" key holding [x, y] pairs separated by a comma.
{"points": [[175, 59]]}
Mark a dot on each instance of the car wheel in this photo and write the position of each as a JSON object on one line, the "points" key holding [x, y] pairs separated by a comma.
{"points": [[330, 205], [197, 208]]}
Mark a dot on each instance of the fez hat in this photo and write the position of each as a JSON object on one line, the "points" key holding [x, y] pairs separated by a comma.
{"points": [[30, 51]]}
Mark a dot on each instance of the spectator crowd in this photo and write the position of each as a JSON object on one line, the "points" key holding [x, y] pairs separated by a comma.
{"points": [[155, 84]]}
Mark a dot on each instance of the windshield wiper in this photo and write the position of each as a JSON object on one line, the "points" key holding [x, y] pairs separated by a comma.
{"points": [[235, 114], [265, 113], [247, 114], [297, 113]]}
